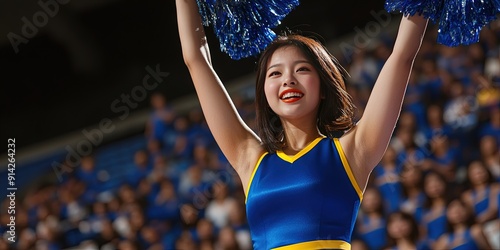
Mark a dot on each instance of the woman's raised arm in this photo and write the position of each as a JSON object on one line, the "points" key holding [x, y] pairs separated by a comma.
{"points": [[238, 143], [367, 142]]}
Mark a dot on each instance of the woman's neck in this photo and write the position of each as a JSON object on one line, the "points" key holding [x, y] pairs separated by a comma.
{"points": [[298, 135], [459, 228], [405, 243], [438, 202]]}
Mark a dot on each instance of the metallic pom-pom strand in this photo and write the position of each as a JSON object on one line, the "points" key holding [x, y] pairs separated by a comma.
{"points": [[243, 27], [460, 21]]}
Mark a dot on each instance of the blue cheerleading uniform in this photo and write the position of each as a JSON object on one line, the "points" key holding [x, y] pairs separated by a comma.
{"points": [[389, 186], [372, 231], [462, 241], [481, 202], [306, 201], [434, 221]]}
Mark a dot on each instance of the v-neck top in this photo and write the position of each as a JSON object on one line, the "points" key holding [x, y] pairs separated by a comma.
{"points": [[309, 200]]}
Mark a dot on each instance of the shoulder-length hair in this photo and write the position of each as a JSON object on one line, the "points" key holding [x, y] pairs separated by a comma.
{"points": [[414, 233], [336, 109]]}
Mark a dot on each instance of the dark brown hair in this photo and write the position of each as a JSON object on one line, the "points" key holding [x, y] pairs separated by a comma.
{"points": [[414, 234], [336, 110]]}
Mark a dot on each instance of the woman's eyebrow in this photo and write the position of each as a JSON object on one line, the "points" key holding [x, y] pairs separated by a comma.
{"points": [[296, 62]]}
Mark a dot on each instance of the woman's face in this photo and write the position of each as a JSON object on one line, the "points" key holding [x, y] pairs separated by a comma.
{"points": [[477, 173], [398, 227], [292, 84], [456, 212], [411, 176], [488, 146], [434, 186], [371, 201]]}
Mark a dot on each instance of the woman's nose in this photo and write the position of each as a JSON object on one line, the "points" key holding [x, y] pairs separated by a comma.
{"points": [[289, 81]]}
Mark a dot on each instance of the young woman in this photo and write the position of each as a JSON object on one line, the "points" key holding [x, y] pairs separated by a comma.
{"points": [[303, 186], [402, 232], [371, 225], [432, 215], [461, 234], [481, 195], [413, 194]]}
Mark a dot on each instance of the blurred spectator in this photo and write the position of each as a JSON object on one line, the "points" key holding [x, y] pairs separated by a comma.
{"points": [[371, 226], [357, 244], [363, 70], [165, 206], [219, 208], [402, 232], [460, 112], [227, 240], [71, 208], [435, 123], [431, 81], [199, 133], [128, 245], [388, 182], [154, 149], [185, 241], [108, 237], [237, 221], [179, 146], [189, 215], [128, 197], [413, 195], [204, 232], [151, 238], [455, 61], [490, 155], [47, 229], [162, 169], [442, 158], [480, 198], [492, 61], [492, 228], [97, 218], [409, 154], [492, 128], [161, 118], [460, 233], [488, 94], [141, 170], [92, 179], [193, 188], [432, 216]]}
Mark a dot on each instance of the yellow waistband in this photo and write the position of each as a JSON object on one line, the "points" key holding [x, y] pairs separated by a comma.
{"points": [[317, 244]]}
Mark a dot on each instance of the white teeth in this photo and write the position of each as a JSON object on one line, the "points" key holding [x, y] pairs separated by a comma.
{"points": [[291, 94]]}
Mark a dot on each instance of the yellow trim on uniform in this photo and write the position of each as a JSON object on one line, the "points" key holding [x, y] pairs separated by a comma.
{"points": [[253, 174], [317, 244], [292, 158], [347, 168]]}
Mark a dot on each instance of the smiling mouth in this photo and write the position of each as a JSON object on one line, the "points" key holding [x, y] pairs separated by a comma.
{"points": [[289, 96]]}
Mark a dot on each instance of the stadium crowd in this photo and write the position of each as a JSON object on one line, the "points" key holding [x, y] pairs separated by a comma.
{"points": [[437, 187]]}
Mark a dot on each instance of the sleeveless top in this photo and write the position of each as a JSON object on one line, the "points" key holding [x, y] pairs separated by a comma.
{"points": [[306, 201], [481, 202], [463, 241]]}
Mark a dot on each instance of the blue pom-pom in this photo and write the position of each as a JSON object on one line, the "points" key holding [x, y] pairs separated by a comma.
{"points": [[244, 26], [496, 3], [460, 21], [430, 9]]}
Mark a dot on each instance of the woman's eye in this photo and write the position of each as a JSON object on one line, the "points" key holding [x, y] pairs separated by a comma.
{"points": [[303, 69], [274, 73]]}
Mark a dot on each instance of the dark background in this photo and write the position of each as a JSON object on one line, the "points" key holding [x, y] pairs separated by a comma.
{"points": [[66, 77]]}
